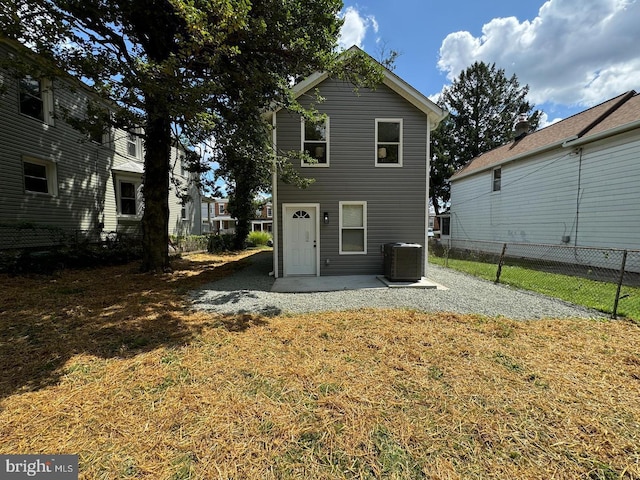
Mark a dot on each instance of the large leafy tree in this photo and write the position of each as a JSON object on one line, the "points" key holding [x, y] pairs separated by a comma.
{"points": [[187, 69], [483, 105]]}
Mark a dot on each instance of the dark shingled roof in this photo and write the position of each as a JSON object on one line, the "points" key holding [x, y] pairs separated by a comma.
{"points": [[613, 113]]}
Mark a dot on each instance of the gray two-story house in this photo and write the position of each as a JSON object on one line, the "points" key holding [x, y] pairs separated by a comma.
{"points": [[371, 170]]}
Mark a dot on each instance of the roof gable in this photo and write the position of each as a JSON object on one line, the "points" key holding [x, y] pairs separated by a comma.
{"points": [[600, 120], [391, 80]]}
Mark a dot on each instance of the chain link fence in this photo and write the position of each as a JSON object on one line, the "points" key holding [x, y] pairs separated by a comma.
{"points": [[606, 279]]}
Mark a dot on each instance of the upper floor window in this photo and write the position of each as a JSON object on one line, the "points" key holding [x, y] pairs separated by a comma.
{"points": [[388, 142], [497, 180], [269, 212], [315, 142], [133, 145], [39, 176], [36, 98], [221, 209]]}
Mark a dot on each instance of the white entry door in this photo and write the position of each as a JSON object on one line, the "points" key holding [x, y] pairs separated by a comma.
{"points": [[300, 242]]}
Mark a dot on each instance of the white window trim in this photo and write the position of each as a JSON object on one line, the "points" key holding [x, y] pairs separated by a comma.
{"points": [[269, 212], [493, 180], [222, 209], [364, 227], [51, 172], [326, 141], [46, 90], [400, 144], [136, 142], [137, 183]]}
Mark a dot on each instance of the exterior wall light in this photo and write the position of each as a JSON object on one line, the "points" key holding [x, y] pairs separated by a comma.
{"points": [[326, 218]]}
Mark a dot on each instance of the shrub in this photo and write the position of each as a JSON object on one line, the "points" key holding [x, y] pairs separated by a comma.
{"points": [[259, 238], [220, 243]]}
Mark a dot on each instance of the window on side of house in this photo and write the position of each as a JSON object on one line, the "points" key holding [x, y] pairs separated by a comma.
{"points": [[130, 197], [353, 228], [221, 209], [388, 142], [183, 212], [445, 225], [36, 98], [496, 180], [132, 145], [269, 212], [315, 142], [39, 176]]}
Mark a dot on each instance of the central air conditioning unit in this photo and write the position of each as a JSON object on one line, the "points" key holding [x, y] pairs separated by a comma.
{"points": [[403, 262]]}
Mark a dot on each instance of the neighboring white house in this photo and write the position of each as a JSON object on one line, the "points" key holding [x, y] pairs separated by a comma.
{"points": [[576, 182], [55, 177]]}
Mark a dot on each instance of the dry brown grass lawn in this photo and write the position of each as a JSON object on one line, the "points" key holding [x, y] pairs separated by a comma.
{"points": [[111, 365]]}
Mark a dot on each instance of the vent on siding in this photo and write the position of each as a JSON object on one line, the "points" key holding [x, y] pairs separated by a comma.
{"points": [[402, 262]]}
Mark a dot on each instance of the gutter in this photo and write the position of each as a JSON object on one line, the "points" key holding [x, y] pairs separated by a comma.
{"points": [[577, 141]]}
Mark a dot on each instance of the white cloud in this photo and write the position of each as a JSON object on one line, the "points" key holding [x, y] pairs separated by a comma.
{"points": [[574, 52], [545, 122], [354, 28]]}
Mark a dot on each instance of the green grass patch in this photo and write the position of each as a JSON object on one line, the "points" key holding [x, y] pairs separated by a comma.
{"points": [[580, 291]]}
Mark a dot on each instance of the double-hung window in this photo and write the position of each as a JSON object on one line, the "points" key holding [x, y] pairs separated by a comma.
{"points": [[353, 228], [315, 142], [39, 176], [388, 142], [133, 145], [130, 201], [496, 185], [36, 98]]}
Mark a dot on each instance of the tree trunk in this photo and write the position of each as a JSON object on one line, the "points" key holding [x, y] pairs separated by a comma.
{"points": [[155, 220]]}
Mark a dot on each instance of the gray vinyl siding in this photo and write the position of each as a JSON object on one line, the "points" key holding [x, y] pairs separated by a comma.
{"points": [[395, 196], [538, 202]]}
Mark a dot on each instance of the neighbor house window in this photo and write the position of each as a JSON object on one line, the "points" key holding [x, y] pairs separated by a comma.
{"points": [[388, 142], [315, 142], [445, 226], [36, 98], [39, 176], [221, 209], [497, 180], [130, 199], [183, 212], [269, 212], [132, 144], [353, 227]]}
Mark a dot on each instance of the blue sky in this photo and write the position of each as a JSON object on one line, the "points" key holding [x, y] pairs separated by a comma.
{"points": [[573, 54]]}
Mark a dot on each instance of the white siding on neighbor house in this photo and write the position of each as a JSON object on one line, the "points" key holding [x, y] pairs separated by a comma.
{"points": [[539, 200], [82, 167], [395, 197], [86, 172]]}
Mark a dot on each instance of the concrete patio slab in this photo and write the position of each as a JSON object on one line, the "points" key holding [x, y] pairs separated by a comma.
{"points": [[343, 282]]}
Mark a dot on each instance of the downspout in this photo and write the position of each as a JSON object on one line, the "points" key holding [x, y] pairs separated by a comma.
{"points": [[426, 207], [274, 199], [575, 240]]}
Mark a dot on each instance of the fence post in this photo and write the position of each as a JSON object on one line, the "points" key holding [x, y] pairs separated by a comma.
{"points": [[504, 249], [620, 279]]}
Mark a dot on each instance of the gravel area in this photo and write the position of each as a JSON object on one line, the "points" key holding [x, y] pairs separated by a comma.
{"points": [[249, 291]]}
